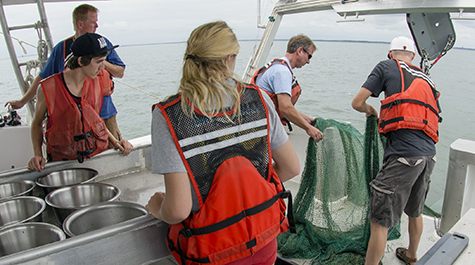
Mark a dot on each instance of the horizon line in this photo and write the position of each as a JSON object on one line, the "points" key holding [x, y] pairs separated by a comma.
{"points": [[322, 40]]}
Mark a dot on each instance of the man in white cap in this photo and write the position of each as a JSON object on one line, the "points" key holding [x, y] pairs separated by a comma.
{"points": [[71, 101], [409, 119]]}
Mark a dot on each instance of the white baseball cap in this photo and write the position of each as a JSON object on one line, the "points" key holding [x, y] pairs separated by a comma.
{"points": [[402, 43]]}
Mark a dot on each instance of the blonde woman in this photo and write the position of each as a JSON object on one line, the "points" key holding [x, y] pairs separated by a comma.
{"points": [[223, 152]]}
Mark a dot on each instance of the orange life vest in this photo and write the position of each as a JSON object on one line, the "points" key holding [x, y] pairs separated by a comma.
{"points": [[296, 89], [416, 107], [241, 207], [76, 130], [106, 83], [105, 79]]}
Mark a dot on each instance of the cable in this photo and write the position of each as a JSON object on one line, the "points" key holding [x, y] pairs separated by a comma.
{"points": [[138, 89]]}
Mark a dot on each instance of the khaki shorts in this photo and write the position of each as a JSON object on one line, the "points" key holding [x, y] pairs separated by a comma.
{"points": [[111, 124], [401, 185]]}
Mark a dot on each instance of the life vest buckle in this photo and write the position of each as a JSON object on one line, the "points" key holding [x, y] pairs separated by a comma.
{"points": [[80, 158], [394, 103], [186, 232], [82, 136], [86, 153], [285, 194]]}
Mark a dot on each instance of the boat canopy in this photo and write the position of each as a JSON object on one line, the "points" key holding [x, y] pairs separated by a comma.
{"points": [[351, 10], [20, 2]]}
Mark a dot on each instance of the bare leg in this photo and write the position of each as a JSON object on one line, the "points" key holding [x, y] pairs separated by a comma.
{"points": [[377, 244], [415, 232]]}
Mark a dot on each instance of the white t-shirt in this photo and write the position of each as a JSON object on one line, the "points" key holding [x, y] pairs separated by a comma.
{"points": [[277, 79]]}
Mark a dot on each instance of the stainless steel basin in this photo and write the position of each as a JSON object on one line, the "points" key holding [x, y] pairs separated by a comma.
{"points": [[29, 235], [101, 215], [66, 200], [67, 177], [15, 188], [21, 209]]}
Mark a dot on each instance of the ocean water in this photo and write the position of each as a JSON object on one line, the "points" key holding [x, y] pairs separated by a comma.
{"points": [[329, 83]]}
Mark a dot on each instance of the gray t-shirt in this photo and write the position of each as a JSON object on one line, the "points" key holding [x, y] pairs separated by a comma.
{"points": [[404, 142], [165, 156]]}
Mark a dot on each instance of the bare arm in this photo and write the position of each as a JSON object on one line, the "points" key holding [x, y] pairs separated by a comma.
{"points": [[114, 70], [359, 103], [37, 162], [307, 118], [18, 104], [286, 162], [123, 145], [292, 114], [175, 205]]}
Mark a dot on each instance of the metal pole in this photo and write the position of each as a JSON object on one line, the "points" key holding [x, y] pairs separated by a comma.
{"points": [[44, 20], [13, 58], [282, 8]]}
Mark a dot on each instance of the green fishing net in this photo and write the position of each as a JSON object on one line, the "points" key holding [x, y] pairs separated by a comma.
{"points": [[331, 206]]}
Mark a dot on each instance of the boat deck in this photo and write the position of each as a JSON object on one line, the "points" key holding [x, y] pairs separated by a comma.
{"points": [[134, 191], [132, 175], [138, 187], [141, 185]]}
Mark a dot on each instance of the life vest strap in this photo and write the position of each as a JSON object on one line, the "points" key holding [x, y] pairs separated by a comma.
{"points": [[83, 154], [183, 258], [234, 219], [383, 124], [82, 136], [290, 213], [401, 101], [230, 221], [288, 124]]}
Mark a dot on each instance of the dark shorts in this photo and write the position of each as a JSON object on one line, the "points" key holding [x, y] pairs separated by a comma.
{"points": [[401, 185]]}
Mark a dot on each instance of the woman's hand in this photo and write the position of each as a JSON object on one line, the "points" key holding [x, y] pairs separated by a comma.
{"points": [[155, 204]]}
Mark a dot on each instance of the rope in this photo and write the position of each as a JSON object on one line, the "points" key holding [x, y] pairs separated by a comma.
{"points": [[42, 51], [30, 65], [42, 48], [21, 43], [138, 89]]}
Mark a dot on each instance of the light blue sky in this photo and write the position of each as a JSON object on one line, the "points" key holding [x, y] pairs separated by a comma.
{"points": [[128, 22]]}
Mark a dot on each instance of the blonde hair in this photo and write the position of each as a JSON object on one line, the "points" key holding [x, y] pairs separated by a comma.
{"points": [[80, 14], [205, 70]]}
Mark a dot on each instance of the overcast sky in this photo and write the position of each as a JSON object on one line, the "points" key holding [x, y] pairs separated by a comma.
{"points": [[128, 22]]}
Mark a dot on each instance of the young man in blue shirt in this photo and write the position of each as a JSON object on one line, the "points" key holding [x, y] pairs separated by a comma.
{"points": [[85, 19]]}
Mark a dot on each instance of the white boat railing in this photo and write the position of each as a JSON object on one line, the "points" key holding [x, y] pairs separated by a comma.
{"points": [[458, 196]]}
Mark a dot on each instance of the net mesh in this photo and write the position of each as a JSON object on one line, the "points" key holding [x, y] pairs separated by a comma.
{"points": [[331, 206]]}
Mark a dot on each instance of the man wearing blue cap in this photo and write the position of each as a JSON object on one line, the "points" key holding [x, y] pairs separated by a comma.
{"points": [[72, 101], [85, 19]]}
